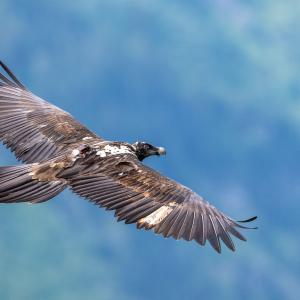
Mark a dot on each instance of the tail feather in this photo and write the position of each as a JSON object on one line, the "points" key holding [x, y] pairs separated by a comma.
{"points": [[17, 185]]}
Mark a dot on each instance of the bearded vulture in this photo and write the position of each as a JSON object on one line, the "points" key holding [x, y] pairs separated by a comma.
{"points": [[59, 152]]}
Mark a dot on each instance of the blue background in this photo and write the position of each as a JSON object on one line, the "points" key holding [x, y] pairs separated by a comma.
{"points": [[215, 82]]}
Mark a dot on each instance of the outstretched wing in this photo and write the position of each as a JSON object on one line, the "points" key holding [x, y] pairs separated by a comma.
{"points": [[33, 128], [141, 195]]}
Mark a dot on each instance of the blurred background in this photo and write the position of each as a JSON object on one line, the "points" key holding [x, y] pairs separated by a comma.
{"points": [[215, 82]]}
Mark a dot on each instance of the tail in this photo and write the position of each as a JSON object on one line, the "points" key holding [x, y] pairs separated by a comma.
{"points": [[17, 185]]}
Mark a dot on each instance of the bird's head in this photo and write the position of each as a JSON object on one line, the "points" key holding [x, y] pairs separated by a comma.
{"points": [[143, 150]]}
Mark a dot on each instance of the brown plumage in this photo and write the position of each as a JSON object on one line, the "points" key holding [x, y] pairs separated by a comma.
{"points": [[60, 152]]}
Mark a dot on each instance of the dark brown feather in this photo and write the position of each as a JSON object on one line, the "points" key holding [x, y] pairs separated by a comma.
{"points": [[33, 128]]}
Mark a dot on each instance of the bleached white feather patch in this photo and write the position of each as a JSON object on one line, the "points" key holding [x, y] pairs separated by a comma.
{"points": [[101, 153], [157, 216], [113, 150], [75, 152], [87, 138]]}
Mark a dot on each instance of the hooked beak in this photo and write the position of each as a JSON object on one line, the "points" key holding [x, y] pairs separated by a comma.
{"points": [[161, 151]]}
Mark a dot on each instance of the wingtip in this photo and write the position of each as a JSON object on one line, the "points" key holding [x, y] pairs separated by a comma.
{"points": [[218, 251], [248, 220], [2, 64], [15, 81]]}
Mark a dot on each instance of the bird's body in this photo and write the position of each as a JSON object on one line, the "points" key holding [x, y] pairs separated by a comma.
{"points": [[60, 152]]}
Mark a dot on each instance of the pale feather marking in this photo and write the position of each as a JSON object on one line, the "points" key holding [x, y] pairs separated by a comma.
{"points": [[113, 150], [158, 215]]}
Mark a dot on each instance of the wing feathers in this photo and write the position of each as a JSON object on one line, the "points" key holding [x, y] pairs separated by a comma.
{"points": [[29, 124], [167, 207], [17, 185], [164, 226], [225, 236], [213, 234], [191, 233], [175, 227], [233, 231], [141, 212], [183, 226]]}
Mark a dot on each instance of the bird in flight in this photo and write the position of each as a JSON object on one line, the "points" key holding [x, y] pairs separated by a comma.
{"points": [[59, 152]]}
